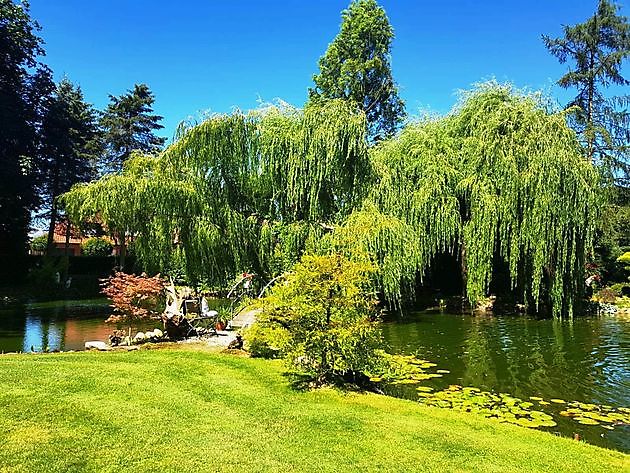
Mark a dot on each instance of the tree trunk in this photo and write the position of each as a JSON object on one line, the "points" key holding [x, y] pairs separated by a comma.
{"points": [[51, 229], [67, 246]]}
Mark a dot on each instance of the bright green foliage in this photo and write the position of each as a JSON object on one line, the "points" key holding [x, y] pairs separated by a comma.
{"points": [[599, 47], [97, 247], [357, 67], [625, 258], [500, 177], [237, 192], [326, 306], [39, 243], [267, 340]]}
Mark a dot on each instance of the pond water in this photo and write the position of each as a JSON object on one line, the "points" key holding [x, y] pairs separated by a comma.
{"points": [[586, 360], [58, 325]]}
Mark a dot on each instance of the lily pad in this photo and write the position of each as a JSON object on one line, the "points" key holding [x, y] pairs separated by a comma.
{"points": [[586, 421]]}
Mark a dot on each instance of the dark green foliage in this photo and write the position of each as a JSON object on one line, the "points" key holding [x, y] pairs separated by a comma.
{"points": [[23, 84], [129, 125], [598, 48], [97, 247], [70, 147], [357, 67]]}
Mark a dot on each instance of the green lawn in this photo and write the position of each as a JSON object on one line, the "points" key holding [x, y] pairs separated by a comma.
{"points": [[189, 410]]}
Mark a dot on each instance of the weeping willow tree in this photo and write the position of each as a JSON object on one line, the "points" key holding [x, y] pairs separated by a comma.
{"points": [[501, 178], [236, 192]]}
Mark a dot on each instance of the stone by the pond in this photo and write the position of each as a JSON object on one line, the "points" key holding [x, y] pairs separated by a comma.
{"points": [[139, 336], [158, 333], [97, 345]]}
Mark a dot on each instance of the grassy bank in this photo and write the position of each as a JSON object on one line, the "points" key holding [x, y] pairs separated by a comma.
{"points": [[189, 410]]}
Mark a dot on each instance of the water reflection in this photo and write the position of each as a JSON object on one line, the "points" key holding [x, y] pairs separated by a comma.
{"points": [[585, 359], [62, 325]]}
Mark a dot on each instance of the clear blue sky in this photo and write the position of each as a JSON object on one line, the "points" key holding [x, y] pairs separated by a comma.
{"points": [[201, 55]]}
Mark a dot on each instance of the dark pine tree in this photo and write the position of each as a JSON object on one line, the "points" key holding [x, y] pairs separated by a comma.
{"points": [[24, 84], [597, 50], [70, 147], [129, 124]]}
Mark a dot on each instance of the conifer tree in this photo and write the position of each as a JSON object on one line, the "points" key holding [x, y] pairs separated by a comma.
{"points": [[70, 147], [357, 67], [24, 82], [130, 125], [598, 49]]}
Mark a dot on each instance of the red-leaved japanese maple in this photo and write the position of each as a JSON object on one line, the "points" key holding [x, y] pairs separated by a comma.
{"points": [[134, 298]]}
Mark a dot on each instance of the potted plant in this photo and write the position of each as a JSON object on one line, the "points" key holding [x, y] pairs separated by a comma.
{"points": [[223, 318]]}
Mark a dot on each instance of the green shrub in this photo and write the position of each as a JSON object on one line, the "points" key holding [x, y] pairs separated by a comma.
{"points": [[97, 247], [39, 243], [329, 315], [625, 258], [266, 340]]}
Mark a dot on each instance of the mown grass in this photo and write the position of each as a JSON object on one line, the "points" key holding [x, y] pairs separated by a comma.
{"points": [[186, 409]]}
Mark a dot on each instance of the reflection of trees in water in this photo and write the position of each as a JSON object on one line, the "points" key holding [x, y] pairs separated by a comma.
{"points": [[480, 370], [43, 333]]}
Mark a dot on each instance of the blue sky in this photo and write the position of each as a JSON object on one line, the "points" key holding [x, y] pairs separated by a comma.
{"points": [[211, 56]]}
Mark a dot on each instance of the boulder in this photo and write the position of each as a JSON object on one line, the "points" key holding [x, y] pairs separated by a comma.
{"points": [[157, 333], [97, 345]]}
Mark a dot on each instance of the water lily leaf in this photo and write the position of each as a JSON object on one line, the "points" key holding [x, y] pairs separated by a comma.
{"points": [[586, 421], [558, 401], [535, 398], [443, 371]]}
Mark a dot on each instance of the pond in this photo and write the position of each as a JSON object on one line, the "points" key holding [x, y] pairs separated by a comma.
{"points": [[586, 360]]}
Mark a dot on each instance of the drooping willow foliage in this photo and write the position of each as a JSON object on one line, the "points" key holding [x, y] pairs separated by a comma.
{"points": [[500, 178], [236, 192]]}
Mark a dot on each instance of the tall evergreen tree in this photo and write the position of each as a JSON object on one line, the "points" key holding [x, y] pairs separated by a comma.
{"points": [[357, 67], [70, 147], [24, 82], [598, 48], [129, 125]]}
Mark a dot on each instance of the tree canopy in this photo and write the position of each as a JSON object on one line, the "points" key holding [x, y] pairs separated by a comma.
{"points": [[500, 177], [70, 146], [129, 125], [24, 81], [598, 49], [357, 67]]}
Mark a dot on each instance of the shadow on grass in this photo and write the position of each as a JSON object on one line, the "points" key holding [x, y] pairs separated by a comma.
{"points": [[349, 382]]}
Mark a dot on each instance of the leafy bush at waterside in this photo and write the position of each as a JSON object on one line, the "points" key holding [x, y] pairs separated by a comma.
{"points": [[324, 315]]}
